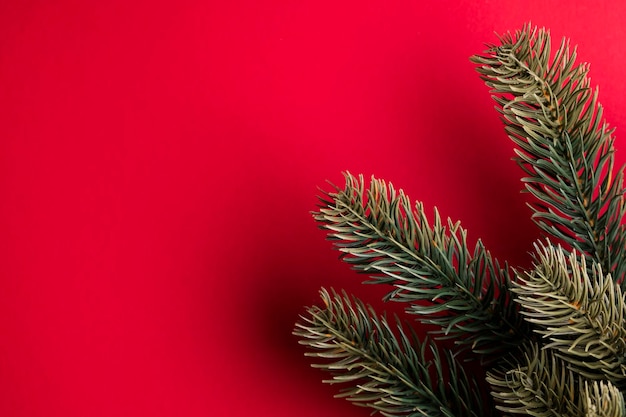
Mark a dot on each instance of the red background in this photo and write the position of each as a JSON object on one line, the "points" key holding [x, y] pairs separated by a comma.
{"points": [[158, 162]]}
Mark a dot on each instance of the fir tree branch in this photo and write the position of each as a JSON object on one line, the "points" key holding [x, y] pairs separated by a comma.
{"points": [[396, 376], [582, 316], [540, 384], [564, 145], [430, 265]]}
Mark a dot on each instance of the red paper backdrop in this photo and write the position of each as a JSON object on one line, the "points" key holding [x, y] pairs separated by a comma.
{"points": [[158, 162]]}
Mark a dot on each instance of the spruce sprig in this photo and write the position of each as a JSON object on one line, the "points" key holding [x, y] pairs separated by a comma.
{"points": [[540, 384], [381, 234], [580, 316], [564, 146], [395, 375], [556, 332]]}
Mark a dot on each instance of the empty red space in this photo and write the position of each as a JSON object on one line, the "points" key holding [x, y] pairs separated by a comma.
{"points": [[159, 160]]}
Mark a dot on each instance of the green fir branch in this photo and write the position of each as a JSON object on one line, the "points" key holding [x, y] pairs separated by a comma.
{"points": [[581, 316], [540, 384], [394, 375], [561, 326], [564, 146], [464, 292]]}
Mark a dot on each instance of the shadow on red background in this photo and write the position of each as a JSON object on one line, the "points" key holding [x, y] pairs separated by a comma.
{"points": [[158, 162]]}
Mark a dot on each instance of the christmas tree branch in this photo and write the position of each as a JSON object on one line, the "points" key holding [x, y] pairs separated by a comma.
{"points": [[561, 326], [564, 145], [395, 375], [540, 384], [582, 316], [431, 266]]}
